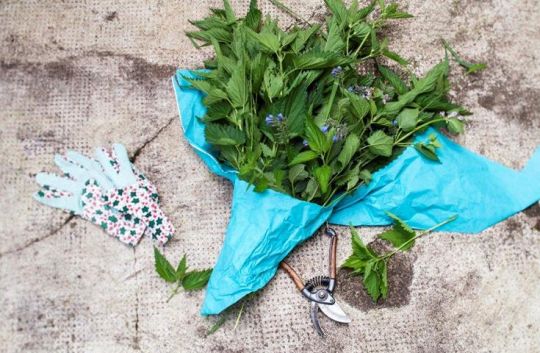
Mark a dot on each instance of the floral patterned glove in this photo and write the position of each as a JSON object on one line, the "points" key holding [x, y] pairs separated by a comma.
{"points": [[83, 197], [133, 194]]}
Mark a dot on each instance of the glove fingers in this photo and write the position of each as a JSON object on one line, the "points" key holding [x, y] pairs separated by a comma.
{"points": [[120, 155], [89, 169], [73, 170], [106, 163], [83, 161], [58, 183], [85, 168], [65, 202]]}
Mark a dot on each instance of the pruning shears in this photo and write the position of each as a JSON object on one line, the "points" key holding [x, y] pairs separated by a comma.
{"points": [[319, 289]]}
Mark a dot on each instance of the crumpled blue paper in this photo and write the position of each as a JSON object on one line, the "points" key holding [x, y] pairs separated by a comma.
{"points": [[265, 227], [424, 192]]}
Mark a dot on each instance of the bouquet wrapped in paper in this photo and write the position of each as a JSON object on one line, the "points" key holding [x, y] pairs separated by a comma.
{"points": [[308, 132]]}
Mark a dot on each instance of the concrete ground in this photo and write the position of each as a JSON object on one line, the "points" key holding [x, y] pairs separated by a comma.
{"points": [[79, 74]]}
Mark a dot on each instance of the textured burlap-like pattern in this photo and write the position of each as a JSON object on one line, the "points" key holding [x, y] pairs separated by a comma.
{"points": [[77, 74]]}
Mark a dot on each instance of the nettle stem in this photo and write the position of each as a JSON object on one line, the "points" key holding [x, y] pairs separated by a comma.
{"points": [[427, 231], [174, 291]]}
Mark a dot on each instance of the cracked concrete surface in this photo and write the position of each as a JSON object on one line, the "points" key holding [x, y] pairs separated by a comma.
{"points": [[82, 74]]}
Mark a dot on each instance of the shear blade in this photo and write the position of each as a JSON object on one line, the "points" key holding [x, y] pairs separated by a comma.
{"points": [[335, 313], [315, 318]]}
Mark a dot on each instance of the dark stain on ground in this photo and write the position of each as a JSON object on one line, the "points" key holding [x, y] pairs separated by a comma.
{"points": [[111, 16], [222, 349], [143, 72], [400, 273], [132, 68], [513, 226], [533, 211], [62, 69], [511, 99]]}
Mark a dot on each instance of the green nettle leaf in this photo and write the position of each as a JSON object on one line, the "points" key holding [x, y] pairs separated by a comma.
{"points": [[219, 34], [408, 119], [384, 279], [224, 135], [295, 110], [380, 143], [471, 67], [352, 143], [253, 17], [268, 40], [393, 79], [323, 175], [362, 30], [394, 56], [267, 151], [196, 279], [229, 13], [181, 269], [337, 7], [303, 157], [237, 87], [272, 83], [163, 267], [316, 138], [455, 125], [393, 12], [358, 247], [401, 235], [427, 151], [302, 38], [314, 60], [360, 106], [334, 43], [202, 85], [217, 111], [365, 175], [191, 280], [424, 85], [297, 172], [372, 281]]}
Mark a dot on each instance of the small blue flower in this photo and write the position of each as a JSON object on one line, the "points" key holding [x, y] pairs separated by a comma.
{"points": [[335, 138], [394, 122], [280, 117], [269, 119], [305, 143], [325, 128], [337, 71], [350, 89]]}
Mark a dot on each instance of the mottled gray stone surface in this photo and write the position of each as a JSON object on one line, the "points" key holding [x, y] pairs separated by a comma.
{"points": [[78, 74]]}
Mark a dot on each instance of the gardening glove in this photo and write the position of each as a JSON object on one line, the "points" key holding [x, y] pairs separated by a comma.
{"points": [[83, 197], [133, 194]]}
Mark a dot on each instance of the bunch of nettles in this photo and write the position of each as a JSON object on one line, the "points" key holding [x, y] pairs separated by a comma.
{"points": [[312, 111]]}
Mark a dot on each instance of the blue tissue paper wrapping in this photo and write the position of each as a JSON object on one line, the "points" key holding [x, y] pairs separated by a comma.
{"points": [[265, 227]]}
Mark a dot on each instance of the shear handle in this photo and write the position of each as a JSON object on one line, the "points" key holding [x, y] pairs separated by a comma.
{"points": [[294, 276], [332, 258]]}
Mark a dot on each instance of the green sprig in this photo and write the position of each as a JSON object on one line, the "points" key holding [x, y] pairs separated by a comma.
{"points": [[188, 280], [372, 266]]}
